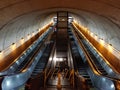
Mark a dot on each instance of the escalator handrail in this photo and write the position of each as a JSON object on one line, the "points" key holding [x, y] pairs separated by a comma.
{"points": [[71, 56], [51, 55]]}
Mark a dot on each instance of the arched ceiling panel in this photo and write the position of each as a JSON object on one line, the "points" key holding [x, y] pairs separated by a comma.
{"points": [[21, 27]]}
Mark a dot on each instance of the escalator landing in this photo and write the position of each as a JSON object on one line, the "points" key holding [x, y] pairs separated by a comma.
{"points": [[59, 77], [54, 88], [53, 82]]}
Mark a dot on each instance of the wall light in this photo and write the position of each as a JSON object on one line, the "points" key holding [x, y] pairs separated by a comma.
{"points": [[0, 52], [28, 36], [33, 33], [88, 31], [96, 36], [110, 47], [102, 42], [13, 46], [22, 38], [110, 44], [13, 43], [91, 34]]}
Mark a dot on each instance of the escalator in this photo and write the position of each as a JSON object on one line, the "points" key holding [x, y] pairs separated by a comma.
{"points": [[22, 74], [27, 59], [21, 61], [37, 79], [31, 55], [57, 75], [78, 62], [99, 80], [102, 66], [93, 58], [43, 60], [101, 62]]}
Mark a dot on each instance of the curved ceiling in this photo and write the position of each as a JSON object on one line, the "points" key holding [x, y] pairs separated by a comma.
{"points": [[20, 17], [10, 9]]}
